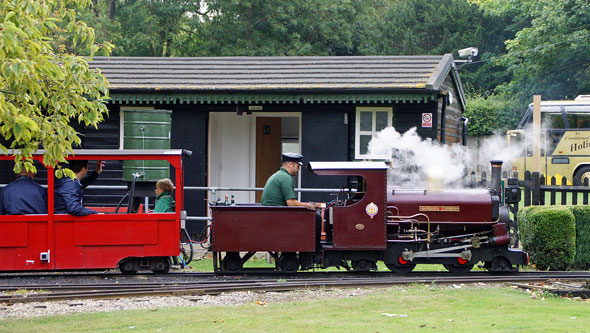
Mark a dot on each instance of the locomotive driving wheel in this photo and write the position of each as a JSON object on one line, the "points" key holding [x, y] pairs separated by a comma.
{"points": [[402, 266], [458, 268], [499, 264]]}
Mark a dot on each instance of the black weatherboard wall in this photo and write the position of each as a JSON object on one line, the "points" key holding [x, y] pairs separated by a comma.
{"points": [[324, 138], [189, 131]]}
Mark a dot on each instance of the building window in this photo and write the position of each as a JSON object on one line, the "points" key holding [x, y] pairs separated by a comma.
{"points": [[369, 122]]}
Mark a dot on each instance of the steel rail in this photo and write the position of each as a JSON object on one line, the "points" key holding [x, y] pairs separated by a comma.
{"points": [[216, 287]]}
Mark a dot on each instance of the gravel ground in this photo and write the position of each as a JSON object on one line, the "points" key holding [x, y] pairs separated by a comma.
{"points": [[37, 309]]}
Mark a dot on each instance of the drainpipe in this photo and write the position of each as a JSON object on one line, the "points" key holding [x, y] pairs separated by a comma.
{"points": [[443, 120], [464, 122]]}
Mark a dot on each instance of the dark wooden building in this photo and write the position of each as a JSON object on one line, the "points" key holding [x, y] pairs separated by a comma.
{"points": [[237, 114]]}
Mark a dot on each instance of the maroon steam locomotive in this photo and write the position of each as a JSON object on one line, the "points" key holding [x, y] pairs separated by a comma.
{"points": [[402, 228]]}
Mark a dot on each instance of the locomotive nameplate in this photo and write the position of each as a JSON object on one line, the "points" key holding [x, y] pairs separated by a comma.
{"points": [[439, 209]]}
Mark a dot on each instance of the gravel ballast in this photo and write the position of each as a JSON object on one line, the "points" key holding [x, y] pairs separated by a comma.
{"points": [[37, 309]]}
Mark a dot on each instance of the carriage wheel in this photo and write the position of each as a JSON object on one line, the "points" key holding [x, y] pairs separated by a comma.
{"points": [[363, 265], [161, 266], [128, 267], [288, 262], [232, 262]]}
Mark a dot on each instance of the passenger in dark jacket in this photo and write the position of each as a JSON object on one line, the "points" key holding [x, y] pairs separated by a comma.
{"points": [[23, 196], [69, 192]]}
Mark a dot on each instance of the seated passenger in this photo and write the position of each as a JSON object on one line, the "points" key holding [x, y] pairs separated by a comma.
{"points": [[68, 191], [23, 196], [164, 201]]}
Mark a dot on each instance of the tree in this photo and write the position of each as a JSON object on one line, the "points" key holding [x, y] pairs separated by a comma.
{"points": [[44, 87], [433, 27], [279, 28], [489, 114], [550, 53]]}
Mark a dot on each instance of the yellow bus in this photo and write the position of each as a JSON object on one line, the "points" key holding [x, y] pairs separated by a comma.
{"points": [[564, 141]]}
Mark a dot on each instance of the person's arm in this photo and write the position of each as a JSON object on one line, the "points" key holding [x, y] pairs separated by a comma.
{"points": [[296, 203], [89, 179], [289, 195], [73, 203]]}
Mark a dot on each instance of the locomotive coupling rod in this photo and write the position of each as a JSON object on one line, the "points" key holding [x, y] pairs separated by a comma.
{"points": [[439, 253]]}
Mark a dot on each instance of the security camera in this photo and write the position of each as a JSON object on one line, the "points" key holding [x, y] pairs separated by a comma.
{"points": [[468, 52]]}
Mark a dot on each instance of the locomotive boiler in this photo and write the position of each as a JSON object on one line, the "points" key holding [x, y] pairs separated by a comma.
{"points": [[402, 228]]}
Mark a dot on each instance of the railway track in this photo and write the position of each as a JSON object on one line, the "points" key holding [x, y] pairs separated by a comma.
{"points": [[19, 293]]}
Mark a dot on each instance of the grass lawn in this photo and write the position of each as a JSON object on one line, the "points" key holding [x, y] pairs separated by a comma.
{"points": [[412, 308]]}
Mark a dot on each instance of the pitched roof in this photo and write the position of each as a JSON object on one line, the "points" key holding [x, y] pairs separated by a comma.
{"points": [[252, 80], [274, 73]]}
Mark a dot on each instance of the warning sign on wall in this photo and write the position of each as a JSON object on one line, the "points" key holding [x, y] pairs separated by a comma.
{"points": [[427, 120]]}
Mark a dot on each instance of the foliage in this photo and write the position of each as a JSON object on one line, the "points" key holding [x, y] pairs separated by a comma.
{"points": [[549, 55], [548, 234], [526, 47], [276, 27], [582, 215], [43, 86], [490, 114]]}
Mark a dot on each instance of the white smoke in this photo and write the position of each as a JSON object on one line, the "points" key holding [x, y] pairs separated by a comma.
{"points": [[414, 159]]}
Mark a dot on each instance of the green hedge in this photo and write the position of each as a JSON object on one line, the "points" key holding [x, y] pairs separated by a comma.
{"points": [[548, 234], [582, 215]]}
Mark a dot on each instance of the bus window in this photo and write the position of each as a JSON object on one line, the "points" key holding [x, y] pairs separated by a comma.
{"points": [[553, 120], [553, 139], [579, 120]]}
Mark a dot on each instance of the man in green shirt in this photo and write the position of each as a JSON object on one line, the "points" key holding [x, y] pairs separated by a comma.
{"points": [[278, 190]]}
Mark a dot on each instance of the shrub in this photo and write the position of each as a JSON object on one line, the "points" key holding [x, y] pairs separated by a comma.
{"points": [[548, 234], [582, 215]]}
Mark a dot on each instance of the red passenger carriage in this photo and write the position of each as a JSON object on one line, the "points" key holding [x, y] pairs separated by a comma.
{"points": [[132, 241]]}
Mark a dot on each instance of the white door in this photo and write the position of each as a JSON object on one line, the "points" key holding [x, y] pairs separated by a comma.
{"points": [[232, 150]]}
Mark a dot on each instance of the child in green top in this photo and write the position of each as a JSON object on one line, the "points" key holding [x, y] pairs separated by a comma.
{"points": [[164, 201]]}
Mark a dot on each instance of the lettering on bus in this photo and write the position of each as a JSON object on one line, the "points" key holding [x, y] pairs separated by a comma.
{"points": [[583, 142]]}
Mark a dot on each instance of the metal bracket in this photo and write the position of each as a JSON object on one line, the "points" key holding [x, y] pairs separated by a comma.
{"points": [[183, 216], [45, 256]]}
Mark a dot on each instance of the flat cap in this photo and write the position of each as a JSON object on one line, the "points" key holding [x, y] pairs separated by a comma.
{"points": [[292, 157]]}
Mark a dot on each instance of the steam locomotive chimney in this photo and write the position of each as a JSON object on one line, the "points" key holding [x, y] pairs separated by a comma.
{"points": [[496, 175]]}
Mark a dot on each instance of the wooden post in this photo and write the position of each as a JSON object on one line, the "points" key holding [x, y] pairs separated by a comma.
{"points": [[536, 133], [536, 188], [552, 192], [527, 188], [563, 193]]}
